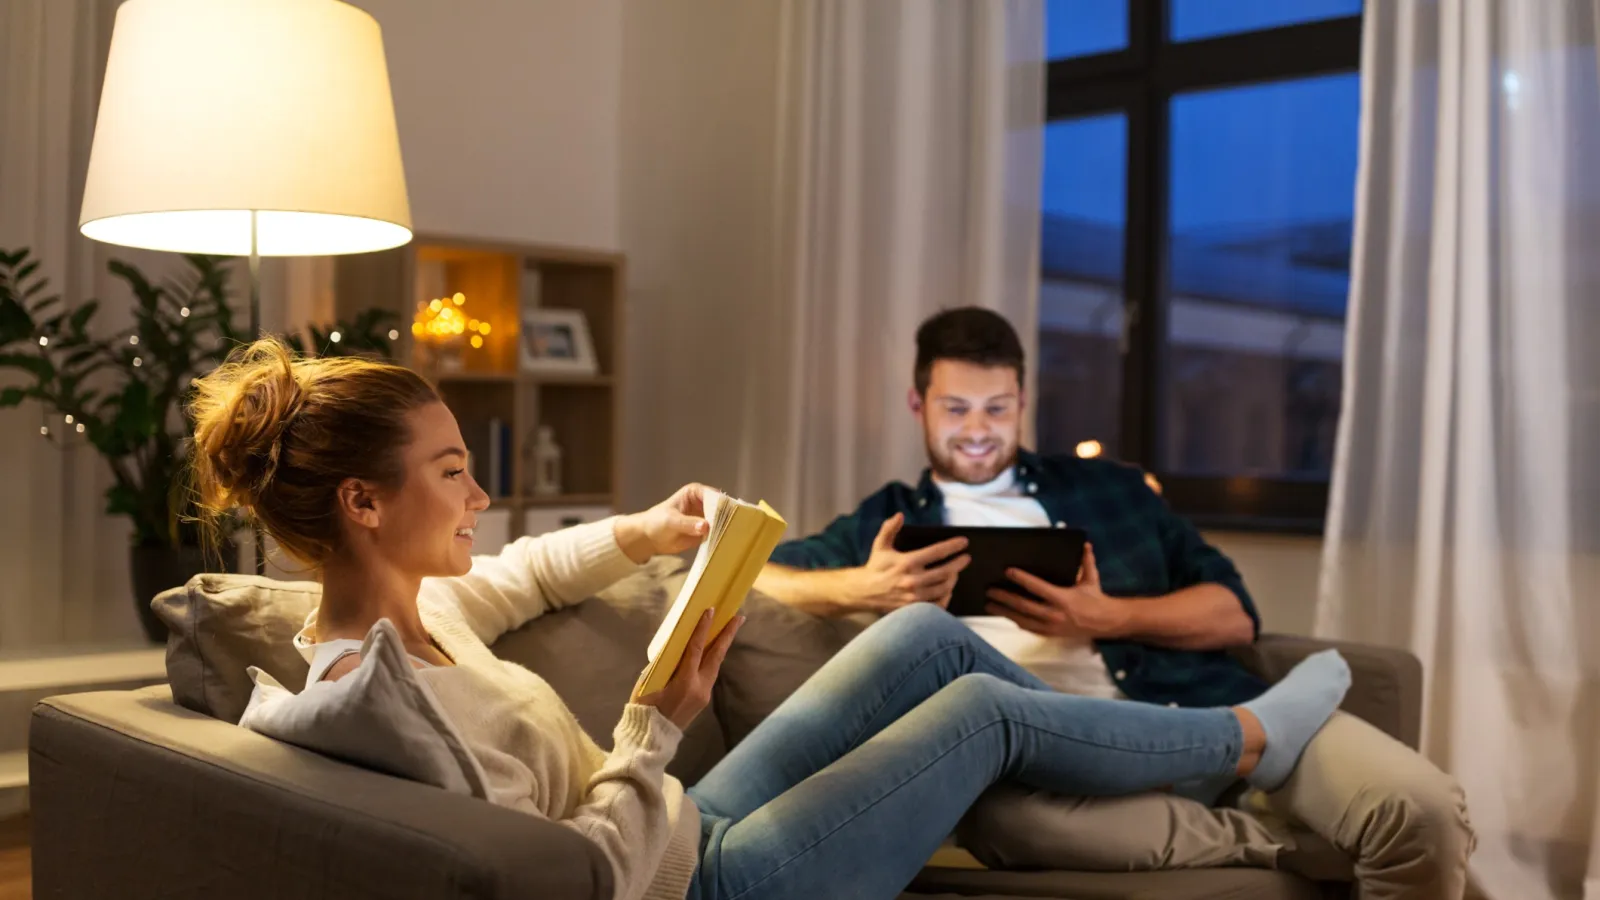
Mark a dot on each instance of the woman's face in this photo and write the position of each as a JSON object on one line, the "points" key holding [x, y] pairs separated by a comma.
{"points": [[426, 526]]}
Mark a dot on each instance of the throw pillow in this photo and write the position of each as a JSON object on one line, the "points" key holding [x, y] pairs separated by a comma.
{"points": [[218, 626], [380, 716]]}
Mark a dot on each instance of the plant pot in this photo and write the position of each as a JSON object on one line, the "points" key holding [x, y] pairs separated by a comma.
{"points": [[158, 568]]}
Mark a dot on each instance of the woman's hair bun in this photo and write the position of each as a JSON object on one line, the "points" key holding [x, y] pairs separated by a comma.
{"points": [[241, 412]]}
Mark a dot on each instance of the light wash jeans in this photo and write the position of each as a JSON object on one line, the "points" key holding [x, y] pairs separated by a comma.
{"points": [[848, 788]]}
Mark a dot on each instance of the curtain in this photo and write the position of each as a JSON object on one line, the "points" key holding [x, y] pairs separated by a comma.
{"points": [[1464, 520], [907, 162]]}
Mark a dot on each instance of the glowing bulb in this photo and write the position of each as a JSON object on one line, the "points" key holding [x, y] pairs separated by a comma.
{"points": [[336, 337], [133, 339], [472, 324], [459, 298], [69, 420], [477, 341], [1089, 449], [44, 341], [44, 430], [80, 428], [394, 335], [137, 362], [416, 329], [184, 312], [483, 327], [458, 327], [434, 305]]}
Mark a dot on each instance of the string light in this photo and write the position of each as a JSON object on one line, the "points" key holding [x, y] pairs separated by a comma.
{"points": [[394, 335], [184, 312], [133, 339], [477, 341], [434, 305], [137, 362], [44, 430], [44, 341], [80, 428], [335, 337], [69, 420], [483, 327], [459, 298]]}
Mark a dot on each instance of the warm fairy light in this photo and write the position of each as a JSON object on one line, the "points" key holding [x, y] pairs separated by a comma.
{"points": [[44, 341], [459, 298], [394, 335], [483, 327], [1089, 449], [441, 321], [69, 419], [416, 329], [434, 305], [477, 341], [336, 337]]}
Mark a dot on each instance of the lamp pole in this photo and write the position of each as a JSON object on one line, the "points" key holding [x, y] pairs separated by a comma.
{"points": [[255, 335]]}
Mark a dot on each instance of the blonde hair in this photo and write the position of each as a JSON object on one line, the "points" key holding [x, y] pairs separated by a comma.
{"points": [[275, 435]]}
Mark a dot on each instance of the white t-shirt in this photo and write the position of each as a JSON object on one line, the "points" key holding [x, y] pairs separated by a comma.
{"points": [[1070, 666]]}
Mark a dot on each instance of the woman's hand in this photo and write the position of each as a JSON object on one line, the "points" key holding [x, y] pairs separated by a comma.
{"points": [[690, 688], [671, 526]]}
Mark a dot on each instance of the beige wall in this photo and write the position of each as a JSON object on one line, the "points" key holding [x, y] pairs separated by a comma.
{"points": [[508, 115], [1281, 572]]}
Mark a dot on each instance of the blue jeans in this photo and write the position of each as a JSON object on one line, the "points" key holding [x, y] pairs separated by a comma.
{"points": [[848, 787]]}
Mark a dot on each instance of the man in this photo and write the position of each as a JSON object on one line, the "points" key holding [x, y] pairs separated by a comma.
{"points": [[1149, 619]]}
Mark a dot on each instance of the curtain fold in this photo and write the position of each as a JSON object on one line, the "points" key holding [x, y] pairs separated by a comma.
{"points": [[907, 181], [1464, 521]]}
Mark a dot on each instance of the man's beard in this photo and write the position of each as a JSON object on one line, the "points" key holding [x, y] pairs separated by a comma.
{"points": [[947, 464]]}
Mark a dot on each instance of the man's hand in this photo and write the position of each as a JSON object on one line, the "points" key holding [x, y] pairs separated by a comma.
{"points": [[689, 690], [671, 526], [892, 579], [1081, 610]]}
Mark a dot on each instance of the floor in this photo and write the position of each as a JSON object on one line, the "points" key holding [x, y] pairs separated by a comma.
{"points": [[16, 872]]}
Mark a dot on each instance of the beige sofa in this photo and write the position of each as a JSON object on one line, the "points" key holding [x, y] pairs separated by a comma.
{"points": [[156, 793]]}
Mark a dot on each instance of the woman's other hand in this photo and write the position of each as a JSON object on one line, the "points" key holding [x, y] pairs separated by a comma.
{"points": [[671, 526], [690, 688]]}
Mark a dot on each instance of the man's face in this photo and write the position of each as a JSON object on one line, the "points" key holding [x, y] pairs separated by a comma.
{"points": [[971, 420]]}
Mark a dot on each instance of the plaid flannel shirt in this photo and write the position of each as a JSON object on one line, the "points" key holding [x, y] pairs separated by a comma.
{"points": [[1142, 548]]}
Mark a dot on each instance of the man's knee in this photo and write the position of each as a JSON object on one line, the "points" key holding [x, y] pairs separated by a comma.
{"points": [[925, 621], [1416, 812]]}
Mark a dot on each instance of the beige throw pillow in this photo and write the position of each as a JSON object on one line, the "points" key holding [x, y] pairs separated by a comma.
{"points": [[218, 626]]}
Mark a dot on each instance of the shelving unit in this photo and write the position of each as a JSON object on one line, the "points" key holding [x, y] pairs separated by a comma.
{"points": [[498, 280]]}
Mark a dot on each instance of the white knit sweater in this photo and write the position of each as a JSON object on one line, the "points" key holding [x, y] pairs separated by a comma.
{"points": [[535, 755]]}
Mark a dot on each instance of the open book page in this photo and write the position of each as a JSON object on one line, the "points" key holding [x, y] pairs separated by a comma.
{"points": [[718, 511]]}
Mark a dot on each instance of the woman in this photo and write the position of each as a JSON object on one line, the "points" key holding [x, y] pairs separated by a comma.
{"points": [[358, 469]]}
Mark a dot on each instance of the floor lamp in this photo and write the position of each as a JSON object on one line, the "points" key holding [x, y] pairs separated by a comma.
{"points": [[247, 128]]}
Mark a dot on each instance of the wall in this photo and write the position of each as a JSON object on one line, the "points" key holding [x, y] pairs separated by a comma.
{"points": [[1281, 572], [508, 115], [698, 183]]}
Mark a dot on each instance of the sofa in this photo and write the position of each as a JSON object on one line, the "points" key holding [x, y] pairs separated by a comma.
{"points": [[157, 793]]}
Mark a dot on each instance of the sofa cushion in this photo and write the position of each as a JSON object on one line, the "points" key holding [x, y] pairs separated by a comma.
{"points": [[778, 648], [592, 655], [218, 626]]}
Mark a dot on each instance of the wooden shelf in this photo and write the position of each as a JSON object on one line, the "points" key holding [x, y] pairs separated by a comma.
{"points": [[567, 500]]}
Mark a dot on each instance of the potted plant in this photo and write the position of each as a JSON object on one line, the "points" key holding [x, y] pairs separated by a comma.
{"points": [[123, 394]]}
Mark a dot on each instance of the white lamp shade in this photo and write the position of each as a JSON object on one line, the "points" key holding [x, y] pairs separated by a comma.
{"points": [[214, 110]]}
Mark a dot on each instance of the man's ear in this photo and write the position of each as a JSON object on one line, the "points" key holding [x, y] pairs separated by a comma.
{"points": [[358, 502], [914, 401]]}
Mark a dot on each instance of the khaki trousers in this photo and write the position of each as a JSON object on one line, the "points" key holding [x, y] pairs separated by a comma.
{"points": [[1399, 823]]}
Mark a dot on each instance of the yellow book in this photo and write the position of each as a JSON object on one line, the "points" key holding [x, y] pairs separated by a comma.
{"points": [[741, 537]]}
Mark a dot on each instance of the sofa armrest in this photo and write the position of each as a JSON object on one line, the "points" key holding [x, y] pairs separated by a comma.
{"points": [[135, 797], [1386, 684]]}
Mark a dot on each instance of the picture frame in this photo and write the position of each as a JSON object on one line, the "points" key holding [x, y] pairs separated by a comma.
{"points": [[556, 342]]}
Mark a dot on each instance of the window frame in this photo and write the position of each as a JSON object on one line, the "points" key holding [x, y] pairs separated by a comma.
{"points": [[1140, 82]]}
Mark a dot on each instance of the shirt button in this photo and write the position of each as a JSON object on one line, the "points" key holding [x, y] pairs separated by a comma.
{"points": [[1033, 488], [1061, 524], [1121, 674], [1172, 705], [922, 502], [1022, 470]]}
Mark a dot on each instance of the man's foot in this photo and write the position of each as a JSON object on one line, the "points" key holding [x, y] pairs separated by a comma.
{"points": [[1291, 713]]}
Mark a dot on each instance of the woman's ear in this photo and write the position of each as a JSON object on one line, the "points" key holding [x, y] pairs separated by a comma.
{"points": [[358, 502]]}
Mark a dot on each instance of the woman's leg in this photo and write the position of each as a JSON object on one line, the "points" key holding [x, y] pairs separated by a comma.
{"points": [[862, 826], [890, 668]]}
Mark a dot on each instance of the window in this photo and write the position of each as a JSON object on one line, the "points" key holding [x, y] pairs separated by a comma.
{"points": [[1196, 217]]}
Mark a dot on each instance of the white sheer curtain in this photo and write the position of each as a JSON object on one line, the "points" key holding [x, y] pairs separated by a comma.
{"points": [[908, 150], [1465, 516]]}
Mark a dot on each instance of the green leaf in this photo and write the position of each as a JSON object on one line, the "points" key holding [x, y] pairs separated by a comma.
{"points": [[37, 365], [82, 315], [12, 396]]}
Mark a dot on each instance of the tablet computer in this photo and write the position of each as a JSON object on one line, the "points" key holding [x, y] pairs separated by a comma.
{"points": [[1053, 554]]}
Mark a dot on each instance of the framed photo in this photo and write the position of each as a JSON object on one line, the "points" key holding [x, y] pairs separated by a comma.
{"points": [[556, 341]]}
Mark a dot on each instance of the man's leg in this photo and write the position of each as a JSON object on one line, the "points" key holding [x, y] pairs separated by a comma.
{"points": [[1013, 827], [1402, 819]]}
